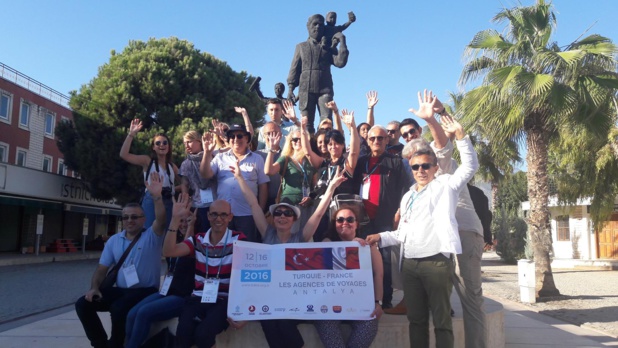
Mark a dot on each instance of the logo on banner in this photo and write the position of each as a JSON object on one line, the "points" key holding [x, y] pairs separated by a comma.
{"points": [[324, 309], [296, 309], [237, 309], [252, 308], [310, 308], [337, 309], [265, 308], [321, 259]]}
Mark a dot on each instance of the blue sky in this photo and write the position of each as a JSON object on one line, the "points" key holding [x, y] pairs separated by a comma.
{"points": [[396, 47]]}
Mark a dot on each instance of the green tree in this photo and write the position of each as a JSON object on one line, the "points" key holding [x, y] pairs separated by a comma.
{"points": [[533, 90], [168, 84]]}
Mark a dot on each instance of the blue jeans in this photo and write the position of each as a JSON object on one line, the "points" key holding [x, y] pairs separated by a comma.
{"points": [[153, 308], [149, 210]]}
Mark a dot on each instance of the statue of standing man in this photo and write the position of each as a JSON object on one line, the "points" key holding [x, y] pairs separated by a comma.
{"points": [[310, 70]]}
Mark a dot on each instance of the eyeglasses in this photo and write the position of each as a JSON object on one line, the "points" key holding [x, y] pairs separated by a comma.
{"points": [[131, 217], [328, 129], [410, 133], [159, 142], [214, 215], [391, 131], [378, 138], [286, 213], [294, 140], [237, 136], [425, 166], [349, 219]]}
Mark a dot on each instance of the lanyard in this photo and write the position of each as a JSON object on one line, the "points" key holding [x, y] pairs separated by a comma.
{"points": [[175, 263], [410, 202], [372, 170], [300, 165], [227, 235]]}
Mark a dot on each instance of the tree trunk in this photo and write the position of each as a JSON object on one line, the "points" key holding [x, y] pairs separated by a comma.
{"points": [[494, 195], [538, 194]]}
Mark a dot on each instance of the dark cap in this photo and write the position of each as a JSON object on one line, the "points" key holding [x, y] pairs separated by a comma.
{"points": [[237, 128]]}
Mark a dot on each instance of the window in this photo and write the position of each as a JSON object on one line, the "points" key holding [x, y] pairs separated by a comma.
{"points": [[47, 163], [62, 169], [562, 228], [50, 124], [24, 115], [20, 159], [4, 152], [5, 107]]}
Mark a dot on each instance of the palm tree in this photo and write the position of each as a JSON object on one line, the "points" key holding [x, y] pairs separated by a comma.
{"points": [[531, 91], [494, 163]]}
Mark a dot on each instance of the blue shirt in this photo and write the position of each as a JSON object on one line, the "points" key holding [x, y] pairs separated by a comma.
{"points": [[145, 255], [252, 168]]}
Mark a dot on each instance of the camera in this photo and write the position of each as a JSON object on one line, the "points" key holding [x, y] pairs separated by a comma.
{"points": [[166, 192]]}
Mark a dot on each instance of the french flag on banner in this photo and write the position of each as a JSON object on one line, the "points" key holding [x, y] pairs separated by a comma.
{"points": [[305, 259]]}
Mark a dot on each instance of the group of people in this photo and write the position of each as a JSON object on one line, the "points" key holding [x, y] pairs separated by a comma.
{"points": [[408, 203]]}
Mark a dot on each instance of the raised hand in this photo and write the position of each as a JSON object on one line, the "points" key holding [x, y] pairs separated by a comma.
{"points": [[240, 110], [372, 99], [347, 117], [236, 170], [288, 111], [274, 140], [451, 126], [427, 104], [154, 185], [182, 206], [337, 179], [136, 126], [333, 106], [208, 142]]}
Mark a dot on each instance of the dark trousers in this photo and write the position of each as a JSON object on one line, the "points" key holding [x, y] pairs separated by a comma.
{"points": [[282, 333], [118, 302], [246, 225], [200, 323], [312, 101]]}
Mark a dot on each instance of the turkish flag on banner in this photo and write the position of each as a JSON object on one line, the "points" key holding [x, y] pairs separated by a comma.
{"points": [[321, 258]]}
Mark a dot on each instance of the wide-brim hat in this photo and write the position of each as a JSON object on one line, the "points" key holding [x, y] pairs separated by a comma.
{"points": [[272, 208], [237, 128]]}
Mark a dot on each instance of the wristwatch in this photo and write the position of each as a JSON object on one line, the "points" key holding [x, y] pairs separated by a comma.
{"points": [[274, 151]]}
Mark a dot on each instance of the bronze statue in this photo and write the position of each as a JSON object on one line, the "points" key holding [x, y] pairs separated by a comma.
{"points": [[331, 29], [310, 70]]}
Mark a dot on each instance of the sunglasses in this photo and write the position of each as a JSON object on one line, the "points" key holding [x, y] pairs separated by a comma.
{"points": [[378, 138], [218, 215], [425, 166], [159, 142], [236, 136], [391, 131], [286, 213], [294, 140], [131, 217], [349, 219], [409, 133]]}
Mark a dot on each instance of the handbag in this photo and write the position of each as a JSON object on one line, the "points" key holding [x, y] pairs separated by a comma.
{"points": [[110, 278]]}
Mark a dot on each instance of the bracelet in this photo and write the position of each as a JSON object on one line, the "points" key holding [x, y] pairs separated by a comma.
{"points": [[170, 230], [274, 151], [377, 302], [442, 112], [156, 198]]}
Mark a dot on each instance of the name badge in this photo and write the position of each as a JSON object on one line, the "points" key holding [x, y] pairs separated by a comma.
{"points": [[306, 191], [206, 196], [211, 290], [365, 188], [130, 275], [165, 287]]}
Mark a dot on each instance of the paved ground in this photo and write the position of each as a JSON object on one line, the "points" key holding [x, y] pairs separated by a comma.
{"points": [[589, 298]]}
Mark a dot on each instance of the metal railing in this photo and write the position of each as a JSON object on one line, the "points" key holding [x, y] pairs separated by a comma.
{"points": [[12, 75]]}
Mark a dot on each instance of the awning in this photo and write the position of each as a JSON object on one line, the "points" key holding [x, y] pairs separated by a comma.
{"points": [[31, 202], [91, 210]]}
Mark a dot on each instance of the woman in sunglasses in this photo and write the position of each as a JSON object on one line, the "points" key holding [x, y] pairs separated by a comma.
{"points": [[297, 169], [160, 161], [284, 333], [343, 227]]}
